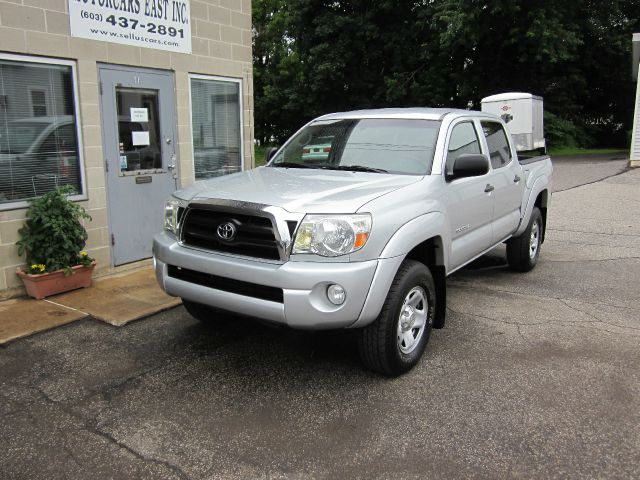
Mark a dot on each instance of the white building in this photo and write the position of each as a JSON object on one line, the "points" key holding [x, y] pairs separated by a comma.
{"points": [[634, 154]]}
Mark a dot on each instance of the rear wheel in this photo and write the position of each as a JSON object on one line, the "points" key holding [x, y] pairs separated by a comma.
{"points": [[395, 341], [523, 251], [206, 314]]}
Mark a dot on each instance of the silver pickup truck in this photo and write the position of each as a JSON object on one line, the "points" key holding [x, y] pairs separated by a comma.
{"points": [[361, 233]]}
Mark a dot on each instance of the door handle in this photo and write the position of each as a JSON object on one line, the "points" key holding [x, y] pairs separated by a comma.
{"points": [[516, 179], [489, 188]]}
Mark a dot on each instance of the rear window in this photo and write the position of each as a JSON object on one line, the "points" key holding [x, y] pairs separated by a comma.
{"points": [[499, 150]]}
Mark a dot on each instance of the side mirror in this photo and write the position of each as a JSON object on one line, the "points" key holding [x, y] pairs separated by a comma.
{"points": [[269, 153], [469, 165]]}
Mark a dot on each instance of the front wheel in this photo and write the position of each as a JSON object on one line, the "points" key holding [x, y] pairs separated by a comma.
{"points": [[395, 341], [523, 251]]}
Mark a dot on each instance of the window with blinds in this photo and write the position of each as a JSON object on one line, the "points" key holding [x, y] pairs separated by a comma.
{"points": [[38, 132], [215, 107]]}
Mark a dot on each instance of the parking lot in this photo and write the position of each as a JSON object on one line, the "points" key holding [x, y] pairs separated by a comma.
{"points": [[535, 375]]}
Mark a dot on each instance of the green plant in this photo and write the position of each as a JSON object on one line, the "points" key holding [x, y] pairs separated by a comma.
{"points": [[53, 235], [564, 133]]}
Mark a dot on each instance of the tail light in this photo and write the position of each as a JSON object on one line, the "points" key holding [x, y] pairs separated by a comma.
{"points": [[305, 150], [326, 149]]}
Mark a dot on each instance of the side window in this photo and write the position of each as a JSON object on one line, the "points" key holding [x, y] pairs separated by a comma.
{"points": [[499, 150], [216, 116], [38, 125], [463, 140]]}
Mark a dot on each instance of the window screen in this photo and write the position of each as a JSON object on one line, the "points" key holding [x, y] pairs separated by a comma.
{"points": [[38, 140], [463, 140], [499, 150], [215, 107]]}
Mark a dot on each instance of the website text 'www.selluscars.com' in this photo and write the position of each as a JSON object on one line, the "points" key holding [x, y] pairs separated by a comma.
{"points": [[133, 36]]}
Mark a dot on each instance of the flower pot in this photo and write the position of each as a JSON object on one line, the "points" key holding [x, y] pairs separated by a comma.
{"points": [[44, 284]]}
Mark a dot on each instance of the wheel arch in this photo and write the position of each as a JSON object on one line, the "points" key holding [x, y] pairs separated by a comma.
{"points": [[539, 197], [431, 253], [542, 202], [423, 239]]}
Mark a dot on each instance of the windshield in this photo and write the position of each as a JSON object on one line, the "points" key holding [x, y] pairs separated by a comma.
{"points": [[400, 146], [17, 137]]}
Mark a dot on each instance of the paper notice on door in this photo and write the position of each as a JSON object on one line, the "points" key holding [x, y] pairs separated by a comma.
{"points": [[139, 115], [140, 138]]}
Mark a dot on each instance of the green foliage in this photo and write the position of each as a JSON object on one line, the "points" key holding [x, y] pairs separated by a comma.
{"points": [[313, 57], [53, 234], [564, 133]]}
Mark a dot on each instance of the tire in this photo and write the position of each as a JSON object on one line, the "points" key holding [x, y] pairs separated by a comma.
{"points": [[523, 251], [205, 314], [387, 346]]}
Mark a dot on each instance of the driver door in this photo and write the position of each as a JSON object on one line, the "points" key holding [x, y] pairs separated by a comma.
{"points": [[469, 204]]}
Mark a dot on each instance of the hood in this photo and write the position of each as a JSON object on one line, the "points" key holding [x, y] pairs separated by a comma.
{"points": [[300, 190]]}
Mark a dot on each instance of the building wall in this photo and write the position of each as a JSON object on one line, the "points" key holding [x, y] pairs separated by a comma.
{"points": [[221, 46], [635, 132], [634, 154]]}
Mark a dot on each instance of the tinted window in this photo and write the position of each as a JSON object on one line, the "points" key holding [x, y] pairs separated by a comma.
{"points": [[463, 140], [499, 150]]}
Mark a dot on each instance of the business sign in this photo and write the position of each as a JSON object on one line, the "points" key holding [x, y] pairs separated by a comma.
{"points": [[160, 24]]}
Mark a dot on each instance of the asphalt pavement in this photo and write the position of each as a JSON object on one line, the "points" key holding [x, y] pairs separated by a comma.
{"points": [[535, 375]]}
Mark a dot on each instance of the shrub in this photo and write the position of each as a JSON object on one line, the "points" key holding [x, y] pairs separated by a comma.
{"points": [[53, 236], [562, 132]]}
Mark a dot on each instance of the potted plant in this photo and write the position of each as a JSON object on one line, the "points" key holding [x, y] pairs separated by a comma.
{"points": [[53, 238]]}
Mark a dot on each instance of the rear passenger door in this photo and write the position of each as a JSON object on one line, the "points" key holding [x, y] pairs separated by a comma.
{"points": [[469, 205], [506, 178]]}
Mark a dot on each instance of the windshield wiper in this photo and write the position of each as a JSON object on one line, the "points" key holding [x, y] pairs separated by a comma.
{"points": [[292, 165], [355, 168], [328, 166]]}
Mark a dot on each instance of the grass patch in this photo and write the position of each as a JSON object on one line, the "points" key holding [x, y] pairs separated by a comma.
{"points": [[259, 153], [571, 152]]}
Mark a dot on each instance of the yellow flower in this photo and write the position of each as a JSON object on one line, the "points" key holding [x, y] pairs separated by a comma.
{"points": [[83, 254], [42, 267], [34, 266]]}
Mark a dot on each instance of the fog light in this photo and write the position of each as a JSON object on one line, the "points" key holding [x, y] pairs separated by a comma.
{"points": [[336, 294]]}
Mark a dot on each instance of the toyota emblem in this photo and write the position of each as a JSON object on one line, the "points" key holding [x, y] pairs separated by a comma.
{"points": [[226, 231]]}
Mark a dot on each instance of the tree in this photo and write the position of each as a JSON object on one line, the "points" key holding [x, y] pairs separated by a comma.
{"points": [[277, 70], [316, 56]]}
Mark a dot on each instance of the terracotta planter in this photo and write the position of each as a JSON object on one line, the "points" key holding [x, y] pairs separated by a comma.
{"points": [[44, 284]]}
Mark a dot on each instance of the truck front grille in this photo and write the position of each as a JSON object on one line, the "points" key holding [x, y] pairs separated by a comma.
{"points": [[248, 235], [238, 287]]}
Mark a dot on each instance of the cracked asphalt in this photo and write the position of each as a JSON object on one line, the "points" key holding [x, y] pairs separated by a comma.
{"points": [[535, 376]]}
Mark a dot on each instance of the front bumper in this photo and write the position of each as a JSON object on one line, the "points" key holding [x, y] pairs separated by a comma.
{"points": [[304, 284]]}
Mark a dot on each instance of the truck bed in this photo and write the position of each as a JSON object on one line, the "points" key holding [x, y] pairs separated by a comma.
{"points": [[525, 159]]}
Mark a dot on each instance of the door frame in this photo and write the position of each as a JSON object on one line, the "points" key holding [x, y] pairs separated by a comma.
{"points": [[176, 172], [456, 241], [241, 116]]}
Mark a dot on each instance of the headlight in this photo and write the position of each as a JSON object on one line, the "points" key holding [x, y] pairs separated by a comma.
{"points": [[172, 213], [332, 235]]}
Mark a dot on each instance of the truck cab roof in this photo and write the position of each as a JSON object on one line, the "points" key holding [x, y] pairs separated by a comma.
{"points": [[418, 113]]}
